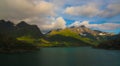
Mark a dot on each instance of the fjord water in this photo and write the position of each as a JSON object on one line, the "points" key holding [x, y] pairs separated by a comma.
{"points": [[79, 56]]}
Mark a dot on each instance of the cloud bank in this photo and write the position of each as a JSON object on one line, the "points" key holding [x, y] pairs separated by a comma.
{"points": [[93, 9], [89, 10], [104, 26], [52, 14]]}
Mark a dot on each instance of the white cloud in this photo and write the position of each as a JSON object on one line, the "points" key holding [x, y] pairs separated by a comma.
{"points": [[89, 10], [20, 9], [60, 23], [14, 8], [111, 10], [77, 23], [45, 8], [104, 26], [47, 24], [94, 9]]}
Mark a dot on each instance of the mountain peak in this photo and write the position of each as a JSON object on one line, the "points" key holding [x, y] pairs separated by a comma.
{"points": [[22, 24], [21, 29]]}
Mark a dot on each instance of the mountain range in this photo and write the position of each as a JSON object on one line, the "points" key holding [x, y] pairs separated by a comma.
{"points": [[30, 35]]}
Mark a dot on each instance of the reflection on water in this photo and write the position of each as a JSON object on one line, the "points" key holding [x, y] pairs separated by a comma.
{"points": [[80, 56]]}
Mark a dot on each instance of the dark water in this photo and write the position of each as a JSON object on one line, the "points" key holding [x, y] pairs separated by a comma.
{"points": [[80, 56]]}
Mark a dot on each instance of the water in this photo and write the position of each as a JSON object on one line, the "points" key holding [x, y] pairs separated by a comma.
{"points": [[80, 56]]}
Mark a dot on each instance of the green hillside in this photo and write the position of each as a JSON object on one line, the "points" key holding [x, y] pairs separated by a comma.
{"points": [[66, 37]]}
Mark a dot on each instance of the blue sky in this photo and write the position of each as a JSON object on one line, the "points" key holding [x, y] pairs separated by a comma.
{"points": [[102, 15]]}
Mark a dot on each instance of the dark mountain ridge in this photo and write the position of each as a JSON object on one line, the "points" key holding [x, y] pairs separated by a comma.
{"points": [[18, 38], [21, 29]]}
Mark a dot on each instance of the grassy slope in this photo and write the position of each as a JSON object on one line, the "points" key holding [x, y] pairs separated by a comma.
{"points": [[64, 37], [67, 37]]}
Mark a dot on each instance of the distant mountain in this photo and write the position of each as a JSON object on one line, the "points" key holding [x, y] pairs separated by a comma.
{"points": [[21, 29]]}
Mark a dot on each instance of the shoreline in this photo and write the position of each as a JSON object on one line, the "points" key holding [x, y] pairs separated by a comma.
{"points": [[27, 50]]}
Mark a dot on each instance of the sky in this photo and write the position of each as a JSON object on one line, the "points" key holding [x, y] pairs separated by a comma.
{"points": [[101, 15]]}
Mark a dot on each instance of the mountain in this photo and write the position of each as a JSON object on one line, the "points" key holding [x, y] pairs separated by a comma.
{"points": [[92, 34], [88, 33], [24, 29], [18, 38], [6, 27], [68, 37], [82, 30], [23, 34], [113, 43], [21, 29], [77, 36]]}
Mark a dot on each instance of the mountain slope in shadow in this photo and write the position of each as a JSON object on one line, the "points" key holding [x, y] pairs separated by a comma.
{"points": [[21, 29], [9, 32]]}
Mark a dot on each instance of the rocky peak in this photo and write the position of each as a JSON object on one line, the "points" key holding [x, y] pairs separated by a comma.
{"points": [[84, 30], [6, 26], [7, 23], [2, 21]]}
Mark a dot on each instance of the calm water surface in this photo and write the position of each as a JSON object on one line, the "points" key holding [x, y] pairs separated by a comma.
{"points": [[80, 56]]}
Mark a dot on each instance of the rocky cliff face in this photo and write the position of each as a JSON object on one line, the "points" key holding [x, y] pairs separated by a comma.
{"points": [[21, 29]]}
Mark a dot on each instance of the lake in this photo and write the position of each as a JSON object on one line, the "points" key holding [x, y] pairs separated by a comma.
{"points": [[78, 56]]}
